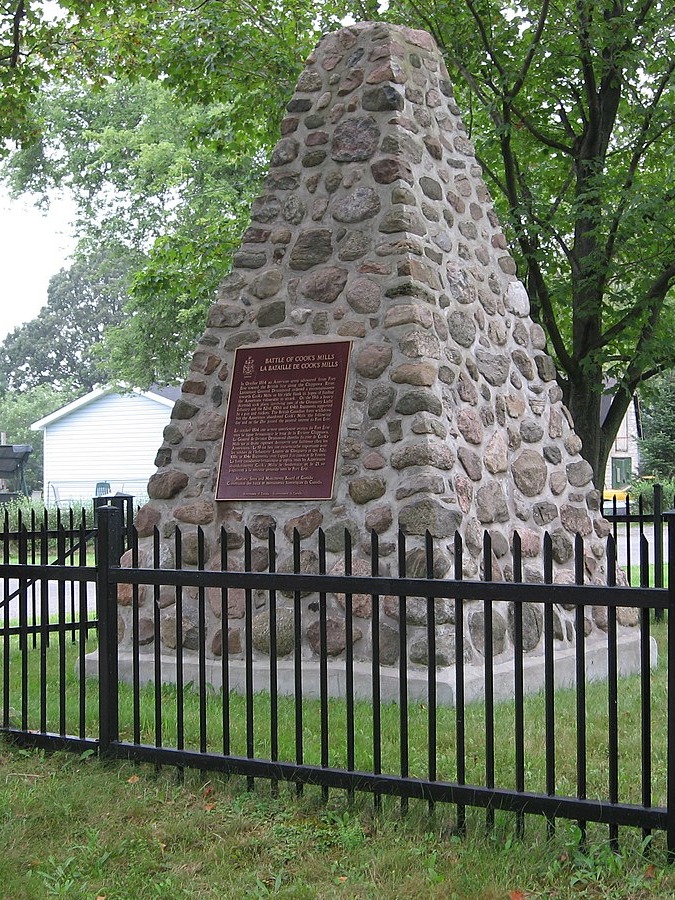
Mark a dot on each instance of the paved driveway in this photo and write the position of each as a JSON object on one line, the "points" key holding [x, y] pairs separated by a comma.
{"points": [[629, 544], [71, 593]]}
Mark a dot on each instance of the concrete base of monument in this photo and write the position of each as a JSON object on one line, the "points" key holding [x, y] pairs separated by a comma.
{"points": [[564, 667]]}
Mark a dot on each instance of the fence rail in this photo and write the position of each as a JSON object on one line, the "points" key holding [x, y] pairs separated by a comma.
{"points": [[633, 527], [582, 747]]}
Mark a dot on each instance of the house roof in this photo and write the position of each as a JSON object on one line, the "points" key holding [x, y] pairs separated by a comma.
{"points": [[165, 396]]}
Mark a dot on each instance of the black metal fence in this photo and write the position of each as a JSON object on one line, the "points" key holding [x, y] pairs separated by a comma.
{"points": [[639, 531], [597, 751]]}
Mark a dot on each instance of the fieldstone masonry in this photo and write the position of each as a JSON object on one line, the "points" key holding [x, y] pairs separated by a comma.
{"points": [[375, 225]]}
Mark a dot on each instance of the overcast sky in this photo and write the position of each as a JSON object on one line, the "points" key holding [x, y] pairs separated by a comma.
{"points": [[33, 247]]}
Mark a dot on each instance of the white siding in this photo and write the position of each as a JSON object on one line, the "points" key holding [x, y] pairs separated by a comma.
{"points": [[113, 439]]}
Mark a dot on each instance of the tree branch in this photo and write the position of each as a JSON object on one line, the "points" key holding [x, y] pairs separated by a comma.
{"points": [[653, 302], [586, 54], [487, 43], [19, 14], [531, 50], [538, 134], [641, 144], [536, 279]]}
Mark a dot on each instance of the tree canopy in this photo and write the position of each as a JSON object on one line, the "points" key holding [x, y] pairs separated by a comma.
{"points": [[571, 107], [22, 73], [657, 448], [149, 174], [42, 43], [59, 347]]}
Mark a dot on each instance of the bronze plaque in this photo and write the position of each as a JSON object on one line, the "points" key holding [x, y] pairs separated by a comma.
{"points": [[283, 422]]}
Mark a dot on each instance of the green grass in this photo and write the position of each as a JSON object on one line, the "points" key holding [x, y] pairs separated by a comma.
{"points": [[66, 658], [78, 827], [81, 828], [634, 575]]}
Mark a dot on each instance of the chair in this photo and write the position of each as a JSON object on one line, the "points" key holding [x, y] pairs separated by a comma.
{"points": [[102, 488]]}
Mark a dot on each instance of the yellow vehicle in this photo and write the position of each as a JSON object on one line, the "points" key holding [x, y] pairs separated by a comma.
{"points": [[611, 493]]}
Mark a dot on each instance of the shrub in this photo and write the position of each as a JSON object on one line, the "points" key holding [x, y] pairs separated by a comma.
{"points": [[644, 487], [27, 510]]}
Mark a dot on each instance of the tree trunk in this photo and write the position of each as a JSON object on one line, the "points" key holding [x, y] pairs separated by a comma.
{"points": [[583, 396]]}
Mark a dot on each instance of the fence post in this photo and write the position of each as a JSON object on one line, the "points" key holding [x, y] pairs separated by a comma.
{"points": [[658, 543], [109, 550], [669, 518], [125, 504]]}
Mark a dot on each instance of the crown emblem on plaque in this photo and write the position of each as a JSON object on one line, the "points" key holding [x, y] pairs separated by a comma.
{"points": [[249, 367]]}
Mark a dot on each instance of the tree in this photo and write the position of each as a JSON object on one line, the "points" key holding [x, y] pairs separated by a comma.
{"points": [[18, 411], [170, 295], [657, 448], [167, 156], [572, 108], [150, 174], [45, 42], [58, 347], [22, 30], [244, 55]]}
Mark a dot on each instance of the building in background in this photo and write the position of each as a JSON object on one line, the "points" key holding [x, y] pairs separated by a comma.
{"points": [[623, 462], [105, 442]]}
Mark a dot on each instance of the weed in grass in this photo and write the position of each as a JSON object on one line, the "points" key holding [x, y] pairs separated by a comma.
{"points": [[268, 888], [344, 831], [59, 879], [428, 854], [596, 870]]}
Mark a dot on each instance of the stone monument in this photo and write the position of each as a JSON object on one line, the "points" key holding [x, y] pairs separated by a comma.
{"points": [[375, 231]]}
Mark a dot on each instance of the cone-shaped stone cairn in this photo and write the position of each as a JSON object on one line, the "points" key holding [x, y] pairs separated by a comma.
{"points": [[375, 225]]}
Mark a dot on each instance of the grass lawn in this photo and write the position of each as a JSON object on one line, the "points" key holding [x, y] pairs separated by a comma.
{"points": [[77, 827], [81, 828]]}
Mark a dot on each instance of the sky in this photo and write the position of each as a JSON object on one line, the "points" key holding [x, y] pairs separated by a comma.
{"points": [[33, 247]]}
